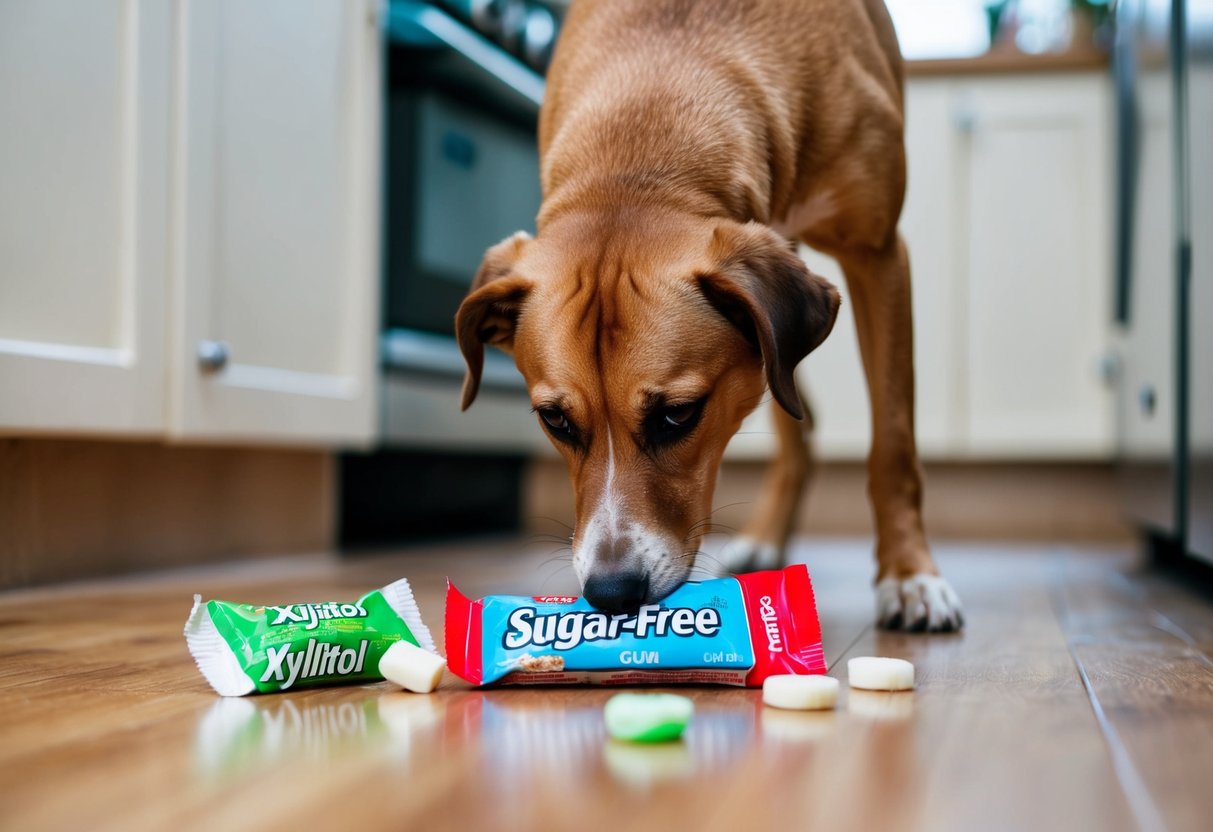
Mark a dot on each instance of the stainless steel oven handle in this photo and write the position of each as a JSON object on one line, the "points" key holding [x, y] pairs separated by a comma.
{"points": [[1128, 154], [420, 24], [435, 356]]}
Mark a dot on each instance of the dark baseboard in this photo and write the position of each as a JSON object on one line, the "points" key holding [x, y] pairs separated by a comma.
{"points": [[392, 497], [1168, 556], [72, 509]]}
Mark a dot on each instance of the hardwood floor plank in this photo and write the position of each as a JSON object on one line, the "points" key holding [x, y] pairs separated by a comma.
{"points": [[1180, 608], [1154, 685], [1002, 729]]}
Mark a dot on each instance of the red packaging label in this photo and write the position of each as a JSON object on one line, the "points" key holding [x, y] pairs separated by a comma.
{"points": [[784, 629]]}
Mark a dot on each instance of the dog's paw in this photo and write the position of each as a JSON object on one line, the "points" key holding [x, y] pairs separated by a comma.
{"points": [[917, 604], [744, 554]]}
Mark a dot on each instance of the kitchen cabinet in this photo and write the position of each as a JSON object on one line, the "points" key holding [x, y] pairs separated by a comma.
{"points": [[275, 287], [84, 162], [190, 218], [1037, 275], [1007, 219]]}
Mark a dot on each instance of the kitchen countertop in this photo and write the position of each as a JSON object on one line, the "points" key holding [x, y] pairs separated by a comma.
{"points": [[1010, 62]]}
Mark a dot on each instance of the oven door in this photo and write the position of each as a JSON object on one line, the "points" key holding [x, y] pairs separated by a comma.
{"points": [[462, 173]]}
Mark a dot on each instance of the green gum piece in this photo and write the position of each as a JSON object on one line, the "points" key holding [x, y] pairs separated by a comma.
{"points": [[647, 717]]}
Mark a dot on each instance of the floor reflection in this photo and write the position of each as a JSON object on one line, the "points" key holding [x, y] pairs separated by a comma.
{"points": [[561, 737], [238, 735], [510, 740], [795, 727], [881, 705], [538, 736], [645, 765]]}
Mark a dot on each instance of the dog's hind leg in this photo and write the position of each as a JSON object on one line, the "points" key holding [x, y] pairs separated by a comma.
{"points": [[910, 593], [763, 543]]}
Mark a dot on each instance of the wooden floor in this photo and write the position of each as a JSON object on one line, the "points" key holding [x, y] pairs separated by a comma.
{"points": [[1079, 697]]}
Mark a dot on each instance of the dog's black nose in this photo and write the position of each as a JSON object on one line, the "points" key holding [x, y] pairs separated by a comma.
{"points": [[617, 593]]}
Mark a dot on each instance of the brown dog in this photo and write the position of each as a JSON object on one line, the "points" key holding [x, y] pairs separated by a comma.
{"points": [[684, 143]]}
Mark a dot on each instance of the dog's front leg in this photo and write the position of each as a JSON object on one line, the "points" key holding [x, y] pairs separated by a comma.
{"points": [[910, 593], [763, 542]]}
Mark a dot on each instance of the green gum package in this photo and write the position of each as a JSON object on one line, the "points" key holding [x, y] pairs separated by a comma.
{"points": [[244, 648]]}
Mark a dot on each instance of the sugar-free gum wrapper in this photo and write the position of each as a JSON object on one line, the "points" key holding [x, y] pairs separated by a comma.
{"points": [[729, 631], [246, 648]]}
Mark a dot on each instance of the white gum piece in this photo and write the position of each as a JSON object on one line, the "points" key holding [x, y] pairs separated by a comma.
{"points": [[411, 667], [800, 693], [876, 673]]}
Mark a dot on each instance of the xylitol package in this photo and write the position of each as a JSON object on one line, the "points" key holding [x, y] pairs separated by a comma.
{"points": [[242, 648], [731, 631]]}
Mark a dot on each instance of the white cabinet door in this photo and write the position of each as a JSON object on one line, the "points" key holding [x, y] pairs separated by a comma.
{"points": [[832, 376], [84, 175], [932, 236], [1038, 274], [277, 217]]}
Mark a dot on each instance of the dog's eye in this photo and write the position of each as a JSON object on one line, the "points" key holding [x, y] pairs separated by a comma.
{"points": [[555, 419], [559, 426], [667, 425], [679, 416]]}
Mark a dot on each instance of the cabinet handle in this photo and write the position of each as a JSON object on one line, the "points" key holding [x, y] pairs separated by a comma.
{"points": [[212, 356]]}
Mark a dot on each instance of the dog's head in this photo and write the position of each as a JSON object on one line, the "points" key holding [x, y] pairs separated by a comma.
{"points": [[644, 341]]}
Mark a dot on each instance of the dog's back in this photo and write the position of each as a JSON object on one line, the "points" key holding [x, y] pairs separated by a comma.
{"points": [[766, 98]]}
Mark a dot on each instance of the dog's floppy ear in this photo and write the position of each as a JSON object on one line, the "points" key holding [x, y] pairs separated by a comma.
{"points": [[489, 313], [767, 292]]}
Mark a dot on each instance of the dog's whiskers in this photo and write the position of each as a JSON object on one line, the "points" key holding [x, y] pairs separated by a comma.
{"points": [[568, 557], [543, 584], [548, 538], [707, 520], [553, 520], [710, 529], [697, 554]]}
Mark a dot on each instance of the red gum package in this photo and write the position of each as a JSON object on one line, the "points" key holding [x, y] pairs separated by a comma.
{"points": [[732, 631]]}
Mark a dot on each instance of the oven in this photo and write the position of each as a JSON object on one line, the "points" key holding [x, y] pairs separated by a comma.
{"points": [[463, 86], [463, 82]]}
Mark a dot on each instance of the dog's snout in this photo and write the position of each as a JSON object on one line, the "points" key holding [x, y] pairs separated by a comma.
{"points": [[617, 592]]}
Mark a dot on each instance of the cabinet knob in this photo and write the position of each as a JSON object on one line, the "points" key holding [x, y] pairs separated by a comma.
{"points": [[964, 115], [1147, 397], [212, 356], [1109, 368]]}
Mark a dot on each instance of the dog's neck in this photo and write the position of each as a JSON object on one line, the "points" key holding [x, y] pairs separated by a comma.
{"points": [[714, 163], [608, 193]]}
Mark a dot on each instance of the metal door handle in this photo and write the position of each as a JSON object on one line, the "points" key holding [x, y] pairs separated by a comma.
{"points": [[1128, 156]]}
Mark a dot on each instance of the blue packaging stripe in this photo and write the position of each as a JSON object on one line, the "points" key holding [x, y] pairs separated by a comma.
{"points": [[697, 626]]}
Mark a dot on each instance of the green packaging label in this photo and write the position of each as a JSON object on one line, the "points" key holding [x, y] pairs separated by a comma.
{"points": [[242, 648]]}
